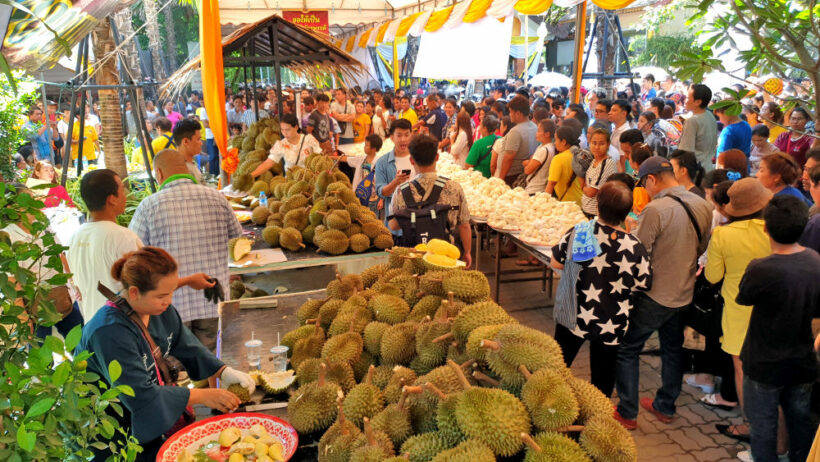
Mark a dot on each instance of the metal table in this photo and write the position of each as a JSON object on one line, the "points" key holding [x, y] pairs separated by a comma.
{"points": [[547, 273]]}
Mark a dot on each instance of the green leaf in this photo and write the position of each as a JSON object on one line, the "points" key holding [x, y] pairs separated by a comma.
{"points": [[40, 407], [722, 104], [25, 439], [73, 338], [114, 370], [61, 374], [126, 390], [107, 429]]}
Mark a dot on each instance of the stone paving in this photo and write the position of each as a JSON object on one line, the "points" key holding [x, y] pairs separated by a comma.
{"points": [[690, 437]]}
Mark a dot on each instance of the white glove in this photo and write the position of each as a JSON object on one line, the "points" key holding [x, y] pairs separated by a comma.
{"points": [[231, 376]]}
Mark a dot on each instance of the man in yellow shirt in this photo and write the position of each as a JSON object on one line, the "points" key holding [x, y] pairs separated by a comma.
{"points": [[165, 139], [406, 111], [562, 180], [361, 124], [91, 142]]}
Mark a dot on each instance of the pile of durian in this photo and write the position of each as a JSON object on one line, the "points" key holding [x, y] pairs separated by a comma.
{"points": [[315, 205], [409, 361], [254, 146]]}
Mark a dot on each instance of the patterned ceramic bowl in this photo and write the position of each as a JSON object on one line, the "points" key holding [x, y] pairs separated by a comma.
{"points": [[200, 433]]}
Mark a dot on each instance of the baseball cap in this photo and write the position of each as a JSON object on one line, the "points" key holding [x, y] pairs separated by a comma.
{"points": [[653, 166]]}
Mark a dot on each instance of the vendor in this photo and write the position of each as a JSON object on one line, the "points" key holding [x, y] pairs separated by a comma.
{"points": [[294, 147], [129, 329], [44, 174]]}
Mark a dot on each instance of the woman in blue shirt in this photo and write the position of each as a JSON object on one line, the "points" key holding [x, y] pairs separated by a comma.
{"points": [[126, 330], [778, 172]]}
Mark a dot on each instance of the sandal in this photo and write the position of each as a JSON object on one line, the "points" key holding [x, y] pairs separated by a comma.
{"points": [[691, 379], [729, 431], [711, 401]]}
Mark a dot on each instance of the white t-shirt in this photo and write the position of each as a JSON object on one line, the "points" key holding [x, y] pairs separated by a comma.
{"points": [[379, 127], [209, 134], [62, 128], [357, 162], [403, 163], [92, 251], [537, 182], [460, 148], [615, 139], [92, 119], [284, 149]]}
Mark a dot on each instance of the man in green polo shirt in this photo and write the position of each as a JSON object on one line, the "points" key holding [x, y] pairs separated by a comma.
{"points": [[481, 153]]}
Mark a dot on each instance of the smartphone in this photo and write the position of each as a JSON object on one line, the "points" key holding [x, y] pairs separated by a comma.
{"points": [[405, 171]]}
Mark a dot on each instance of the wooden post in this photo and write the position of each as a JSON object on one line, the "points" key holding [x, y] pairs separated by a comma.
{"points": [[580, 38]]}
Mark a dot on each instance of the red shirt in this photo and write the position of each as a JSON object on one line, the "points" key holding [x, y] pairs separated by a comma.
{"points": [[795, 148], [55, 196]]}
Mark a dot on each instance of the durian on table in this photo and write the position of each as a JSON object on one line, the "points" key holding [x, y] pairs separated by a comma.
{"points": [[440, 372]]}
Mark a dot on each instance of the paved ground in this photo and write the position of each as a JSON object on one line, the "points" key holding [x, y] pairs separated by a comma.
{"points": [[691, 437]]}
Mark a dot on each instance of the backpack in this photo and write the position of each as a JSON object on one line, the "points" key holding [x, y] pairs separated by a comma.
{"points": [[421, 221], [581, 160]]}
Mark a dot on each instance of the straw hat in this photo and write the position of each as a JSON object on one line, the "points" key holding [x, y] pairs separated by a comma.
{"points": [[746, 197]]}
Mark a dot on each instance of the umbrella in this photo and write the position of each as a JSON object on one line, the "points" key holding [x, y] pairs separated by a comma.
{"points": [[551, 80], [657, 72]]}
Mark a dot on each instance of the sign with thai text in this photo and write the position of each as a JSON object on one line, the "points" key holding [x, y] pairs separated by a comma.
{"points": [[315, 20]]}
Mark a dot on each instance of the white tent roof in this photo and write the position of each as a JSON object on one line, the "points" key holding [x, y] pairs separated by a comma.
{"points": [[342, 12]]}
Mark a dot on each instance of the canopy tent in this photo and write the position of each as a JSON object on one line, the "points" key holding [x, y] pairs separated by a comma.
{"points": [[342, 12]]}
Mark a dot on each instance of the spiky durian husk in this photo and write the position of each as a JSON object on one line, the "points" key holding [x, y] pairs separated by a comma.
{"points": [[556, 447], [550, 400], [312, 407], [607, 441], [467, 451], [493, 416]]}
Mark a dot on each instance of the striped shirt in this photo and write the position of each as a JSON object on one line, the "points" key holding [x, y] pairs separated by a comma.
{"points": [[194, 224]]}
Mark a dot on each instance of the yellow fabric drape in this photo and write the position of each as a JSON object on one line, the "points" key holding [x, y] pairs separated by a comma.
{"points": [[365, 38], [382, 30], [213, 72], [478, 9], [350, 42], [338, 43], [406, 24], [537, 6], [612, 4], [437, 19]]}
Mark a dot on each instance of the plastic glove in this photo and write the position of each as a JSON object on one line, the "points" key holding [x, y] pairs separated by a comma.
{"points": [[214, 294], [231, 376]]}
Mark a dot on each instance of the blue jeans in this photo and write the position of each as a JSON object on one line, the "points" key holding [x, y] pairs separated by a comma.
{"points": [[646, 317], [213, 156], [760, 406]]}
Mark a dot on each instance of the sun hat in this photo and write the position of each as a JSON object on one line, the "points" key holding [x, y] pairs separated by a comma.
{"points": [[747, 196]]}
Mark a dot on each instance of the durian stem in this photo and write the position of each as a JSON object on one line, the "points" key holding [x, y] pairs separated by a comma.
{"points": [[341, 416], [486, 379], [442, 338], [318, 328], [412, 389], [430, 387], [322, 372], [467, 363], [302, 245], [370, 371], [459, 374], [490, 345], [451, 297], [570, 429], [525, 371], [530, 442], [368, 430], [403, 398]]}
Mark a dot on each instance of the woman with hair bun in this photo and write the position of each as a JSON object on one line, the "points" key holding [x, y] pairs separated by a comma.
{"points": [[140, 329], [778, 173]]}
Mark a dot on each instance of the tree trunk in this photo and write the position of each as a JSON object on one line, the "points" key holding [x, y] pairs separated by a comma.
{"points": [[171, 37], [110, 118], [608, 67], [125, 26], [152, 31]]}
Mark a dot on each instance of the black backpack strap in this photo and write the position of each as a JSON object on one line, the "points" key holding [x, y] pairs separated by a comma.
{"points": [[690, 215], [601, 172], [407, 193], [435, 193]]}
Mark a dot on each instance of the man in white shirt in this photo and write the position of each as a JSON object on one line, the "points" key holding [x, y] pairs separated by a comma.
{"points": [[97, 244], [344, 113], [188, 139], [210, 145]]}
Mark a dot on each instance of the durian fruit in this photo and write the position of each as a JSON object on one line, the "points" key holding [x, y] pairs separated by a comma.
{"points": [[332, 241], [396, 256], [591, 402], [426, 306], [337, 442], [372, 274], [383, 241], [343, 287], [337, 219], [290, 339], [316, 212], [308, 347], [515, 345], [548, 398], [345, 347], [479, 314], [553, 447], [372, 229], [293, 203], [274, 219], [276, 382], [424, 447], [258, 187], [491, 415], [365, 400], [308, 234], [373, 333], [394, 420], [353, 319], [459, 355], [446, 415], [337, 372], [291, 239], [381, 376], [389, 308], [296, 218], [423, 406], [414, 265], [309, 310], [488, 332], [359, 243], [431, 283], [239, 247], [467, 451], [400, 377], [470, 286], [398, 343], [260, 215], [313, 406], [329, 310], [431, 353], [274, 205], [606, 440], [361, 366], [441, 247], [435, 262], [237, 289], [241, 392], [372, 446], [271, 235]]}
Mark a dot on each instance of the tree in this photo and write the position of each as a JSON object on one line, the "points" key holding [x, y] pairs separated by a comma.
{"points": [[152, 30], [125, 26], [110, 112], [171, 37], [784, 36]]}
